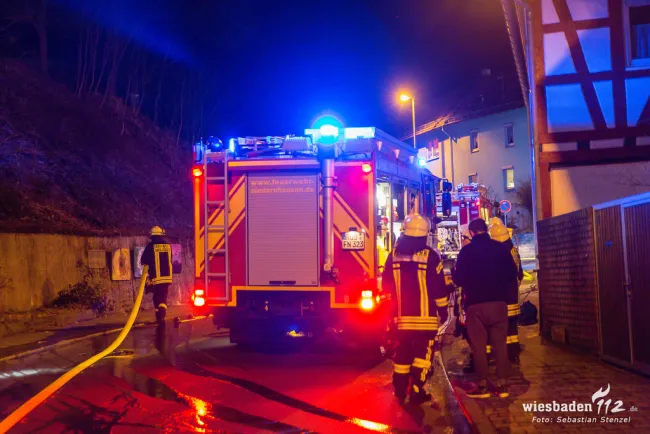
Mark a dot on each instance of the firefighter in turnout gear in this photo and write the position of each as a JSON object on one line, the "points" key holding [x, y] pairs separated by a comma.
{"points": [[499, 232], [413, 279], [158, 256]]}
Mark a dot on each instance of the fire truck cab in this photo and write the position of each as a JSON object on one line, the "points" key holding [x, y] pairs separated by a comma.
{"points": [[291, 232]]}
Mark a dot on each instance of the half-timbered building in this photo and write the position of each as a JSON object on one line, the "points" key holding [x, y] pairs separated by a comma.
{"points": [[588, 65]]}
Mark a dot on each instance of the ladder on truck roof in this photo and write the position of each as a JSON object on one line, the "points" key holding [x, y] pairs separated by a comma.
{"points": [[221, 157]]}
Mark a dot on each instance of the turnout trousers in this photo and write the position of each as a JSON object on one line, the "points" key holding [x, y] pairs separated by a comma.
{"points": [[412, 362], [160, 293], [513, 333]]}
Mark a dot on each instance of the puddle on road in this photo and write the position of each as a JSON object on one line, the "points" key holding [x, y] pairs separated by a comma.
{"points": [[202, 415], [207, 415], [274, 395]]}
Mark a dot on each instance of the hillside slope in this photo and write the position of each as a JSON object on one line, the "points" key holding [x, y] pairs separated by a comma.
{"points": [[73, 166]]}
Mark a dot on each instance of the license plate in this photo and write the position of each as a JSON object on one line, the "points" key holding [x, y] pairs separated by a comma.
{"points": [[354, 240]]}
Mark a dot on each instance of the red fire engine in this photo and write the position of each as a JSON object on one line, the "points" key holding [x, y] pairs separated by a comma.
{"points": [[468, 203], [291, 231]]}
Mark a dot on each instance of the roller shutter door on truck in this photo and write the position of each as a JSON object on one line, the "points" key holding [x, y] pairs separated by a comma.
{"points": [[283, 233]]}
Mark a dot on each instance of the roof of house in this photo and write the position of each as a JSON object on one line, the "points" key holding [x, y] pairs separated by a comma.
{"points": [[491, 95]]}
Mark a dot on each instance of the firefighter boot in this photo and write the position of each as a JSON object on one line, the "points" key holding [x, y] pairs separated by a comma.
{"points": [[400, 382], [161, 312], [419, 396]]}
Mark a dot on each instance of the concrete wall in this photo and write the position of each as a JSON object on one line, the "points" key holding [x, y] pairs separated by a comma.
{"points": [[34, 268], [491, 158], [567, 279]]}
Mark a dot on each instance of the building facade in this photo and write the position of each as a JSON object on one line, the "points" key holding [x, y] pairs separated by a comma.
{"points": [[490, 149], [588, 62]]}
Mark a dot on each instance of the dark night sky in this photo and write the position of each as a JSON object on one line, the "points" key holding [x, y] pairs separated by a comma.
{"points": [[272, 66]]}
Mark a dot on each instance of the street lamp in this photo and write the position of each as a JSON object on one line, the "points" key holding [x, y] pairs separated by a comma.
{"points": [[404, 97]]}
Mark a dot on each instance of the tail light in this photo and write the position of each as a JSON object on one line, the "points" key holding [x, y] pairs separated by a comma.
{"points": [[197, 172], [367, 302], [366, 167], [198, 297]]}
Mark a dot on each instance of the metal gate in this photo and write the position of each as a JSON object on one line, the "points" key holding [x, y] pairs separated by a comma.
{"points": [[622, 236]]}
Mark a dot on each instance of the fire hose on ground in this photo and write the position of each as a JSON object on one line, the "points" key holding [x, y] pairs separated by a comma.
{"points": [[22, 411]]}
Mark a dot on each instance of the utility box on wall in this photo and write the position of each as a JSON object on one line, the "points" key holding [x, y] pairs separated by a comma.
{"points": [[121, 265], [96, 259], [137, 267]]}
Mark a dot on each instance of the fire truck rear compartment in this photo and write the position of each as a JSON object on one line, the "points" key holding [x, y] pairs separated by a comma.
{"points": [[282, 228]]}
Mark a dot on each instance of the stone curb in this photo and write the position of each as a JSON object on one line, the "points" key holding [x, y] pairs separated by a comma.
{"points": [[481, 424], [473, 419]]}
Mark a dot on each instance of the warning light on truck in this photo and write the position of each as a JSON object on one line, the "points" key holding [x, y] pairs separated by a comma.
{"points": [[366, 167], [367, 303], [197, 172], [197, 297], [329, 131]]}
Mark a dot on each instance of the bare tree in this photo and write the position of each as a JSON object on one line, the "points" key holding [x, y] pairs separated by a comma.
{"points": [[524, 196]]}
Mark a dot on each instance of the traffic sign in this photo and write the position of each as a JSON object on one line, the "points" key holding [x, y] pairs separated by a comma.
{"points": [[505, 206]]}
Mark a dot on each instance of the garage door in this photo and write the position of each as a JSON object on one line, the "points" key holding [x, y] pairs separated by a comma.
{"points": [[579, 187], [282, 213]]}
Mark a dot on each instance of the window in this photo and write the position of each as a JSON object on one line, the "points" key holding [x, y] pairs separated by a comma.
{"points": [[637, 17], [509, 135], [473, 141], [508, 178], [473, 178], [433, 150]]}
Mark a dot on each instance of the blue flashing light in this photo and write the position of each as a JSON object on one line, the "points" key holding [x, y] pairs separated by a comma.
{"points": [[329, 131], [422, 162], [231, 145]]}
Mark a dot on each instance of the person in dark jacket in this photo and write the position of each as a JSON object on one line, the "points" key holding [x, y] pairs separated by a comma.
{"points": [[413, 280], [485, 270], [500, 233], [158, 256]]}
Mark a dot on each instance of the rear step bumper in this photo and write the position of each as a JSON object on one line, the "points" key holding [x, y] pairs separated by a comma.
{"points": [[349, 321]]}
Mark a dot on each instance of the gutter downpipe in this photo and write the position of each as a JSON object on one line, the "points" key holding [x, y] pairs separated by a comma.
{"points": [[327, 171], [531, 123], [528, 92], [451, 149]]}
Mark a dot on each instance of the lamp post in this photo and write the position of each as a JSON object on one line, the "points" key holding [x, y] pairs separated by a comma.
{"points": [[404, 97]]}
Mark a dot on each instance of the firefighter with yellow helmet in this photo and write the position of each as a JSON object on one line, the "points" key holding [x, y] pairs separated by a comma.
{"points": [[499, 232], [158, 256], [413, 280]]}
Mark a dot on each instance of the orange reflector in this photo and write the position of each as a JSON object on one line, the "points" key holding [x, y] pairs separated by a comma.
{"points": [[366, 167], [366, 304], [197, 171], [199, 301], [199, 292], [366, 294]]}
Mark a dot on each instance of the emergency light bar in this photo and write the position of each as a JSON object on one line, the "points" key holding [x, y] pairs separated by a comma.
{"points": [[348, 133]]}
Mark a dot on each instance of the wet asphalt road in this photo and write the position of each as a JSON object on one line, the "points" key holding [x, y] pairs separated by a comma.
{"points": [[202, 383]]}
